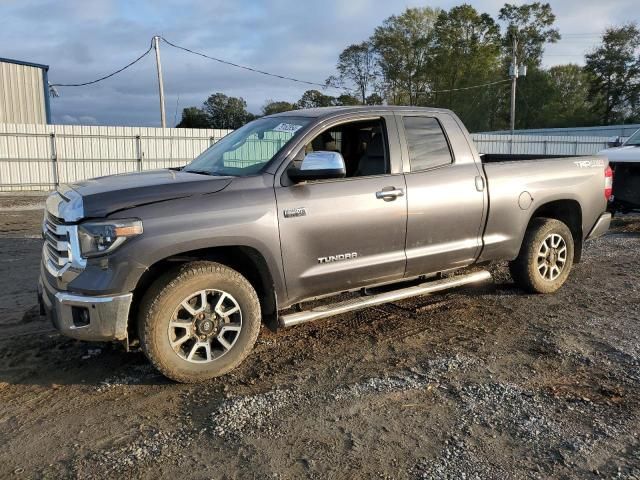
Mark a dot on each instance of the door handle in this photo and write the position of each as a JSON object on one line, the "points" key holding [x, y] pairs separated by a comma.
{"points": [[480, 183], [390, 193]]}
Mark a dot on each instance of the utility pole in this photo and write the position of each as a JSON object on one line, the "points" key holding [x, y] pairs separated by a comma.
{"points": [[513, 72], [156, 46]]}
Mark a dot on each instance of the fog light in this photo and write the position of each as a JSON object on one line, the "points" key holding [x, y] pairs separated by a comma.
{"points": [[80, 315]]}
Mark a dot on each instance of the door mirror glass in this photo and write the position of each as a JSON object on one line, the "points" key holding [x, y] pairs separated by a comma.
{"points": [[318, 166]]}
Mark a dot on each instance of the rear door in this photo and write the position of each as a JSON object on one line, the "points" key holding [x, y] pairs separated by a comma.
{"points": [[343, 234], [445, 194]]}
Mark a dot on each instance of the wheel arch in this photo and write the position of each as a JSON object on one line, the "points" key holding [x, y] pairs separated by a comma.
{"points": [[246, 260], [569, 212]]}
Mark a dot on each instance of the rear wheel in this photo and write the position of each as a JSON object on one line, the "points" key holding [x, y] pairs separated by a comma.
{"points": [[545, 257], [199, 322]]}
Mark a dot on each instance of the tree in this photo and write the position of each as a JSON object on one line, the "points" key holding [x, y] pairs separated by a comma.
{"points": [[615, 74], [226, 112], [374, 99], [271, 107], [530, 25], [193, 117], [567, 104], [356, 66], [346, 99], [402, 45], [527, 28], [315, 98], [534, 94], [466, 52]]}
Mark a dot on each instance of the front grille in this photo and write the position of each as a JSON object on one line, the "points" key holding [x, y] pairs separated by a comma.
{"points": [[61, 255], [56, 237]]}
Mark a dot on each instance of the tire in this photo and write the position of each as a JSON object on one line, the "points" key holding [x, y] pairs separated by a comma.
{"points": [[535, 273], [209, 303]]}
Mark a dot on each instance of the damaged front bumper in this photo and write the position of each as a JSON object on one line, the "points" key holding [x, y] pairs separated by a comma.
{"points": [[90, 318]]}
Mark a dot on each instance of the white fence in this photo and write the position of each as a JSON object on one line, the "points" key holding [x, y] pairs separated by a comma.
{"points": [[609, 131], [39, 157], [538, 144]]}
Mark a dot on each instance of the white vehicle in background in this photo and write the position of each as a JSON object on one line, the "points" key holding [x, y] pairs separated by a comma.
{"points": [[625, 162]]}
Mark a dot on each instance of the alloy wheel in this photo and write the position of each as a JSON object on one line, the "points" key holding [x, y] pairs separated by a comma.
{"points": [[205, 326]]}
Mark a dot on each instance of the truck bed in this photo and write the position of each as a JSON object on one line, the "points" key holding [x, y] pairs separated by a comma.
{"points": [[529, 181]]}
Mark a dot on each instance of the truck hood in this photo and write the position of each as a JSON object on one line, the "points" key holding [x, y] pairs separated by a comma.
{"points": [[628, 154], [101, 196]]}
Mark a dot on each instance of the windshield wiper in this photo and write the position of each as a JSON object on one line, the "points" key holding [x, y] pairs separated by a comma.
{"points": [[202, 172]]}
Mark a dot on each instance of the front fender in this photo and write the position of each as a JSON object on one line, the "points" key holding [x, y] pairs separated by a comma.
{"points": [[234, 217]]}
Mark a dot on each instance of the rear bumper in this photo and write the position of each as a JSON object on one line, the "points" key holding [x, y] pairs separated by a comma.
{"points": [[601, 226], [626, 185], [86, 317]]}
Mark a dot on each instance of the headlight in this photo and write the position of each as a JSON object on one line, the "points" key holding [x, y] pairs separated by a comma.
{"points": [[102, 237]]}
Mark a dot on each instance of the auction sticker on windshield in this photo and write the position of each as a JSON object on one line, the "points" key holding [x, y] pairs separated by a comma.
{"points": [[287, 127]]}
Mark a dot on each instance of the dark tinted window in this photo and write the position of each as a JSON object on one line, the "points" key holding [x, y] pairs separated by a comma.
{"points": [[427, 144]]}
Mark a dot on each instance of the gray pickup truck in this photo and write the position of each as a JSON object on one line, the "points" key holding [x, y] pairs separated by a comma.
{"points": [[376, 203]]}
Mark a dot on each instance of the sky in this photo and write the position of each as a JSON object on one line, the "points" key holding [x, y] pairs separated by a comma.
{"points": [[82, 40]]}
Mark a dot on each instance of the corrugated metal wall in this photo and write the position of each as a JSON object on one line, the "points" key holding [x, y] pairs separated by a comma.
{"points": [[37, 157], [538, 144], [22, 93], [609, 131]]}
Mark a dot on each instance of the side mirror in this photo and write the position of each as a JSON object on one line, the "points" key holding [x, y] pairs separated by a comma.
{"points": [[319, 166]]}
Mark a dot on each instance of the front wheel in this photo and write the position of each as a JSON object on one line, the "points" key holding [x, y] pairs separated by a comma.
{"points": [[199, 322], [545, 257]]}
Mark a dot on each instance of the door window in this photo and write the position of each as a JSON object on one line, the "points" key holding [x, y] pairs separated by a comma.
{"points": [[362, 144], [428, 146]]}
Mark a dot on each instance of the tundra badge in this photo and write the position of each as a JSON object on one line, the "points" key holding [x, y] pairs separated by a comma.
{"points": [[295, 212], [335, 258]]}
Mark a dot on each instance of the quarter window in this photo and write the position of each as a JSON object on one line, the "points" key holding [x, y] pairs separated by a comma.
{"points": [[428, 147]]}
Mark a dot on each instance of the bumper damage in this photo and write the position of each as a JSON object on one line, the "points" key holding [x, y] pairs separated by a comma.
{"points": [[601, 226], [85, 317]]}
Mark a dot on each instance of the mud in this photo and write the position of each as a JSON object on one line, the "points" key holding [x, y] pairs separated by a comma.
{"points": [[486, 382]]}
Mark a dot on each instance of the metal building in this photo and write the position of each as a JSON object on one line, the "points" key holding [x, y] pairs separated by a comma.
{"points": [[24, 96]]}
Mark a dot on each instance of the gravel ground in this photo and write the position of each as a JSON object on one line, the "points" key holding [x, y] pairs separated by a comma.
{"points": [[486, 382]]}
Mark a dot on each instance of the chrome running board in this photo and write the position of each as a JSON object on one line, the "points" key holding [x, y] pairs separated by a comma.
{"points": [[325, 311]]}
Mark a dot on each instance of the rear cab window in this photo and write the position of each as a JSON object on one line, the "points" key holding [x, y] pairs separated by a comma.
{"points": [[427, 144]]}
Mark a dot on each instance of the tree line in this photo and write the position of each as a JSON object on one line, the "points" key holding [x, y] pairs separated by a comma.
{"points": [[432, 57]]}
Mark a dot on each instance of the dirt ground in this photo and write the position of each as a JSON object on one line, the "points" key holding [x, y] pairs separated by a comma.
{"points": [[483, 383]]}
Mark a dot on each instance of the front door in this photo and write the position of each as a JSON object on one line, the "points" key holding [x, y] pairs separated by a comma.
{"points": [[343, 234]]}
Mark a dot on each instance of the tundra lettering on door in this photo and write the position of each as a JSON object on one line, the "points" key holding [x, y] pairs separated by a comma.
{"points": [[335, 258]]}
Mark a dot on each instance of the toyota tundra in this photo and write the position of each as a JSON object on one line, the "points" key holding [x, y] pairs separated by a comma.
{"points": [[375, 203]]}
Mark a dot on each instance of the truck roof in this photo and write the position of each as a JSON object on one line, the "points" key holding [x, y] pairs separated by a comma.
{"points": [[331, 111]]}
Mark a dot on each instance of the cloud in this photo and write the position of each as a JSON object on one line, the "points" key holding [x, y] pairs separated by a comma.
{"points": [[84, 39]]}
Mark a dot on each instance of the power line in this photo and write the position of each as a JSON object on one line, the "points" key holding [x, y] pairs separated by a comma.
{"points": [[429, 92], [275, 75], [244, 67], [592, 34], [581, 55], [106, 76]]}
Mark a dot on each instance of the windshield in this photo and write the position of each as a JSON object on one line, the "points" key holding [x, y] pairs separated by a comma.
{"points": [[247, 150], [634, 139]]}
